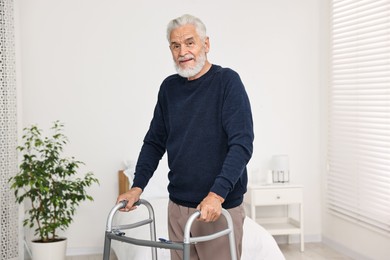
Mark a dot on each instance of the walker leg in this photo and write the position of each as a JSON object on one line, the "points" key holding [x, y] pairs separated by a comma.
{"points": [[107, 247], [232, 245], [186, 251]]}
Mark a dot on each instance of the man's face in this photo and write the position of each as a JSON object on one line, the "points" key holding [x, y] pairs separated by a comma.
{"points": [[188, 51]]}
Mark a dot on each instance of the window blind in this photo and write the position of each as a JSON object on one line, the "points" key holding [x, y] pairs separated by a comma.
{"points": [[358, 183]]}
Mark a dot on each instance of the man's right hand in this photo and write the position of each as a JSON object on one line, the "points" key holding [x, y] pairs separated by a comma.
{"points": [[132, 196]]}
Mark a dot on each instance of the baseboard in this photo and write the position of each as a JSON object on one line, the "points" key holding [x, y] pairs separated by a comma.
{"points": [[76, 251], [345, 250]]}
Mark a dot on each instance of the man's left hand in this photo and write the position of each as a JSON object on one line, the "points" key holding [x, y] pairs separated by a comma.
{"points": [[210, 207]]}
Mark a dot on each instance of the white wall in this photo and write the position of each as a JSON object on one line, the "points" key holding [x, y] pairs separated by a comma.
{"points": [[97, 65]]}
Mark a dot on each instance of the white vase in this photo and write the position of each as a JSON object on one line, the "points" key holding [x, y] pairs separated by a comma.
{"points": [[49, 251]]}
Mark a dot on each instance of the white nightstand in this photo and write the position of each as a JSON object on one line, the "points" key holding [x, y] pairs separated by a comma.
{"points": [[277, 194]]}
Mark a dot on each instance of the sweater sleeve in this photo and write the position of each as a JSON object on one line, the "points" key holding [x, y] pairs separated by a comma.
{"points": [[238, 126], [153, 148]]}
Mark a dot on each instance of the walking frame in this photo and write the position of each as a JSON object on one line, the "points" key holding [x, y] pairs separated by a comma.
{"points": [[116, 233]]}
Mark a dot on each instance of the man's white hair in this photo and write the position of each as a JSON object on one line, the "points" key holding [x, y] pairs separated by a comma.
{"points": [[184, 20]]}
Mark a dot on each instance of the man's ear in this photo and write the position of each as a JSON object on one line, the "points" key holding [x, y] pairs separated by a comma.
{"points": [[207, 44]]}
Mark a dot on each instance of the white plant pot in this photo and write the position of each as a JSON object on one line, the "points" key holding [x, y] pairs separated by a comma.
{"points": [[49, 251]]}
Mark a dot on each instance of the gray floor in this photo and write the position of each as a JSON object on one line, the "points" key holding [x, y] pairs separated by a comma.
{"points": [[316, 251]]}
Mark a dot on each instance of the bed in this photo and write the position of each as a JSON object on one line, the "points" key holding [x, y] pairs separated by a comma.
{"points": [[258, 244]]}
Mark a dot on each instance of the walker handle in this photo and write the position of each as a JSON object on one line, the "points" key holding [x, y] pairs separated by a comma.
{"points": [[122, 204], [228, 231], [151, 221]]}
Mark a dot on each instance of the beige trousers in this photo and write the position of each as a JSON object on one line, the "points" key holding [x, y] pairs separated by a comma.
{"points": [[217, 249]]}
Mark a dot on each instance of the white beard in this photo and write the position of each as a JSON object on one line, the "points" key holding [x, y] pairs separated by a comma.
{"points": [[191, 72]]}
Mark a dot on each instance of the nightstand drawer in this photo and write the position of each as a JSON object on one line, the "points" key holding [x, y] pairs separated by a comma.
{"points": [[276, 196]]}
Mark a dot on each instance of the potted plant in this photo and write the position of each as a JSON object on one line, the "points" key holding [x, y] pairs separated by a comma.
{"points": [[48, 180]]}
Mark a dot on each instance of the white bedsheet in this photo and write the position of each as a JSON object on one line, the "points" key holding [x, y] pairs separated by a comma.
{"points": [[258, 244]]}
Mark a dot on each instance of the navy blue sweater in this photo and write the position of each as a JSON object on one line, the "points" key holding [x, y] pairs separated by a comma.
{"points": [[205, 126]]}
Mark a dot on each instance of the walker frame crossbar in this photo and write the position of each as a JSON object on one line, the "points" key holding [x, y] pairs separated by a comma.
{"points": [[115, 233]]}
